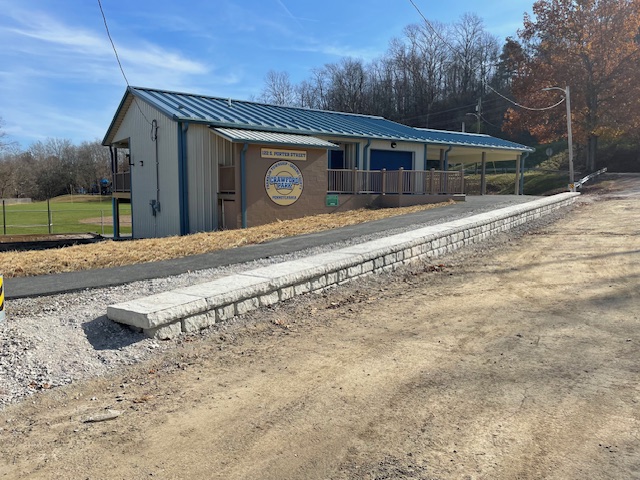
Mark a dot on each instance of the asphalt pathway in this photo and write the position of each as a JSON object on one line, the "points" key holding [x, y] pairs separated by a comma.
{"points": [[25, 287]]}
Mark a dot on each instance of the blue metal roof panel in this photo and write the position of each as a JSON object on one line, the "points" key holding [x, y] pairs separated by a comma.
{"points": [[274, 138], [477, 140], [220, 112], [241, 114]]}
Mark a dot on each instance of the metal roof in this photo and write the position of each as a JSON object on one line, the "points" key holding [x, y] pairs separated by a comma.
{"points": [[273, 138], [447, 137], [243, 115]]}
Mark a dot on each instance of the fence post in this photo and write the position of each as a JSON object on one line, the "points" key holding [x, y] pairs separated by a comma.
{"points": [[400, 180], [462, 181], [4, 218], [2, 314], [49, 216]]}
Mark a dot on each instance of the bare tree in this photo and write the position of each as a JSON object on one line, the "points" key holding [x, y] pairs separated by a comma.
{"points": [[5, 143], [278, 89], [93, 165]]}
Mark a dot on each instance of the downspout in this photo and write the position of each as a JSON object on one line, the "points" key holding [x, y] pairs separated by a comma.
{"points": [[243, 184], [524, 157], [446, 157], [446, 168], [365, 158], [424, 167], [183, 191], [154, 138]]}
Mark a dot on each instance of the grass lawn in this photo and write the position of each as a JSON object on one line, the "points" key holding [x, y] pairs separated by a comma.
{"points": [[69, 214], [535, 183]]}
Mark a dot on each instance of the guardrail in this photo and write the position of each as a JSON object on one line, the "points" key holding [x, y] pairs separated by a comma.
{"points": [[584, 180]]}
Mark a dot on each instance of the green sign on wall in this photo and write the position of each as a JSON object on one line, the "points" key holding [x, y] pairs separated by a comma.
{"points": [[331, 201]]}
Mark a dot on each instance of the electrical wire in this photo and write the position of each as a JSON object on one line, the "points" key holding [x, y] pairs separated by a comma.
{"points": [[455, 50], [435, 32], [533, 109], [115, 51], [104, 19]]}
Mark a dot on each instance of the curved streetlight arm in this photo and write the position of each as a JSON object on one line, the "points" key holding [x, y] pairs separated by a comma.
{"points": [[477, 120]]}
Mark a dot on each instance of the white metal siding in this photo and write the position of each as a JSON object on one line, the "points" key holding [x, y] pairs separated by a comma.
{"points": [[137, 128], [202, 172]]}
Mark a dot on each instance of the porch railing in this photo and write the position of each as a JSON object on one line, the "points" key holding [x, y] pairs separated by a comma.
{"points": [[399, 182], [122, 182]]}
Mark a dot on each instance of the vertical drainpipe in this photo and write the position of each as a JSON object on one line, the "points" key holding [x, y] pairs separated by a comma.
{"points": [[426, 160], [524, 157], [183, 181], [446, 168], [365, 152], [243, 184]]}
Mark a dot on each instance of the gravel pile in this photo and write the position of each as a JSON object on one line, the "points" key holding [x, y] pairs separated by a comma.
{"points": [[47, 342]]}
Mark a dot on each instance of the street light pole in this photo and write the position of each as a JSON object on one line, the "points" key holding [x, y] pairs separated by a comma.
{"points": [[567, 96], [477, 120]]}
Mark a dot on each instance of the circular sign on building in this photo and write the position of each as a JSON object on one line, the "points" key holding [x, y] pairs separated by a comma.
{"points": [[283, 183]]}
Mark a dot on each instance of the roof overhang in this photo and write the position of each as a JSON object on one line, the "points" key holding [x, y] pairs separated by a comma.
{"points": [[236, 135]]}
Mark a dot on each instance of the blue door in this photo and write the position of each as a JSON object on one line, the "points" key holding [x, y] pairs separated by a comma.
{"points": [[391, 160]]}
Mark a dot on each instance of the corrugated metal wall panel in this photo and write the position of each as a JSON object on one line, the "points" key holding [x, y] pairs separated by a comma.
{"points": [[142, 148], [202, 170]]}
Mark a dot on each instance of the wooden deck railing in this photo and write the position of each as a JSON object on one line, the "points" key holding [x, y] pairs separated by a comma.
{"points": [[402, 182], [122, 182]]}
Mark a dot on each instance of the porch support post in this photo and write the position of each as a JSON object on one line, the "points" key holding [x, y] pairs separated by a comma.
{"points": [[517, 189], [483, 175]]}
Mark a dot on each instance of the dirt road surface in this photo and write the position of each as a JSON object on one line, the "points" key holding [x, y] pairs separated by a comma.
{"points": [[518, 360]]}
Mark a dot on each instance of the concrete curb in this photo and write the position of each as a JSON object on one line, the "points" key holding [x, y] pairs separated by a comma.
{"points": [[190, 309]]}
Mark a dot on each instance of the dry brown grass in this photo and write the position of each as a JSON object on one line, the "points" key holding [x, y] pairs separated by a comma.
{"points": [[114, 254]]}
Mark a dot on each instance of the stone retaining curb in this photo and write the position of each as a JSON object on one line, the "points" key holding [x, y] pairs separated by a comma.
{"points": [[166, 315]]}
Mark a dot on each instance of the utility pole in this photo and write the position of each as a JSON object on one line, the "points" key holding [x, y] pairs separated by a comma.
{"points": [[479, 112]]}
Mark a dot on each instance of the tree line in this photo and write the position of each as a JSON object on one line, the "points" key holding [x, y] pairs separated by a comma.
{"points": [[432, 77], [440, 76], [52, 167]]}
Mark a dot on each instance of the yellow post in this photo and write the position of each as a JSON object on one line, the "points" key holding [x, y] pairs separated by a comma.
{"points": [[2, 314]]}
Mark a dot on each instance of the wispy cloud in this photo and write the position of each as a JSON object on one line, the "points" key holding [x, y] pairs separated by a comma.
{"points": [[38, 33], [288, 12]]}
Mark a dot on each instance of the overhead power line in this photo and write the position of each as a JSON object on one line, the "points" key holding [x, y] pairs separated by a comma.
{"points": [[523, 106], [457, 52], [106, 26], [154, 128]]}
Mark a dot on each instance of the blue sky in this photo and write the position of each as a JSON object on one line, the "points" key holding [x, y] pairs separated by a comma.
{"points": [[59, 77]]}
